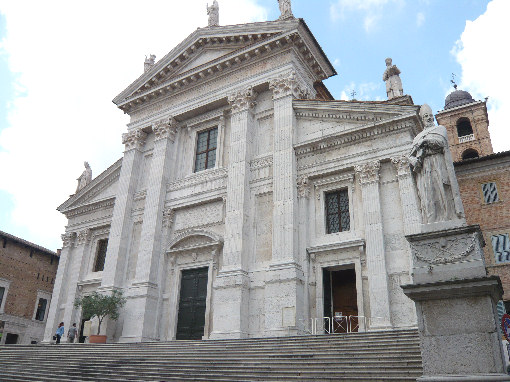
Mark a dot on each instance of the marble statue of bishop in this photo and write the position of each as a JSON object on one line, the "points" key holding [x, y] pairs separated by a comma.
{"points": [[85, 178], [391, 76]]}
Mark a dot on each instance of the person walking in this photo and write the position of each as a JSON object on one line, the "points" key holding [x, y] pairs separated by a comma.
{"points": [[60, 332], [71, 334]]}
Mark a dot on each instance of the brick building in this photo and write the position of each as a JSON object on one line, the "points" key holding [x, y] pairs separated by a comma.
{"points": [[27, 276], [484, 179]]}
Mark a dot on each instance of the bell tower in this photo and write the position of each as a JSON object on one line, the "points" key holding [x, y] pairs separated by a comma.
{"points": [[467, 124]]}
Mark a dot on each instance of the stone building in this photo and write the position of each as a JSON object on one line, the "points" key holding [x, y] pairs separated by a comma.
{"points": [[484, 179], [27, 276], [248, 201]]}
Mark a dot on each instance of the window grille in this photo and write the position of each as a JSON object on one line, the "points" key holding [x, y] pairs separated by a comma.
{"points": [[337, 212], [2, 291], [501, 247], [41, 309], [102, 246], [490, 193], [206, 149]]}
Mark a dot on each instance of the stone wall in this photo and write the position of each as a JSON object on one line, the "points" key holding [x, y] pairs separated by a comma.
{"points": [[28, 272]]}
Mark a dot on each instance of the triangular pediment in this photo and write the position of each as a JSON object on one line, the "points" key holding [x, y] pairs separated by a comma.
{"points": [[208, 51], [101, 188]]}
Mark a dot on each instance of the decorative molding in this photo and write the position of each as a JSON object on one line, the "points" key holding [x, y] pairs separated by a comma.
{"points": [[303, 187], [83, 236], [368, 173], [140, 195], [443, 254], [168, 217], [99, 205], [257, 163], [134, 139], [402, 165], [242, 100], [165, 129], [198, 178], [68, 239], [288, 85]]}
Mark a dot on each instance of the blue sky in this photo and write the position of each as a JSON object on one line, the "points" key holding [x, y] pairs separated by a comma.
{"points": [[62, 64]]}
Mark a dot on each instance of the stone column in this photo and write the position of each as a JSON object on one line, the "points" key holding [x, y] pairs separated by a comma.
{"points": [[73, 276], [303, 193], [284, 299], [140, 324], [368, 175], [408, 197], [231, 285], [120, 229], [58, 292]]}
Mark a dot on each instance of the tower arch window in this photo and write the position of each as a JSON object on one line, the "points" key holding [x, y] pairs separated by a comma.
{"points": [[470, 154], [464, 127]]}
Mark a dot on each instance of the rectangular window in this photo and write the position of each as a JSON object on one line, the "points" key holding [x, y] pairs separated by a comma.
{"points": [[41, 309], [501, 247], [490, 193], [102, 246], [337, 212], [2, 291], [206, 149]]}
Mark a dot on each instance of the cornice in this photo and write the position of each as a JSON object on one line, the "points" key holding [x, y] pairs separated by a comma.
{"points": [[161, 83], [358, 133], [85, 209]]}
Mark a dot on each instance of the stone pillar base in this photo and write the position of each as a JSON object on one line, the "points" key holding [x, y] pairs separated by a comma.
{"points": [[459, 333]]}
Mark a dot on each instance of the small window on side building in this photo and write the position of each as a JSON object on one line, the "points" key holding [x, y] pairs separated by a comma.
{"points": [[205, 157], [490, 193], [41, 309], [337, 211], [501, 247], [102, 246], [2, 292]]}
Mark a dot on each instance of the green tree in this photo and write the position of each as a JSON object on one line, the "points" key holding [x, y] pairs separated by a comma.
{"points": [[101, 306]]}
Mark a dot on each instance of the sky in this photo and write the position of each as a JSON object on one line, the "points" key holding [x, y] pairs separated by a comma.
{"points": [[62, 62]]}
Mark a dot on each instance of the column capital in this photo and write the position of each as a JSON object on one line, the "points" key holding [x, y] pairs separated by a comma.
{"points": [[288, 85], [402, 165], [303, 187], [242, 100], [368, 173], [165, 129], [68, 239], [134, 139], [83, 236]]}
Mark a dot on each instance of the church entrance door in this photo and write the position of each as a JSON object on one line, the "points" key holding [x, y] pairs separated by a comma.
{"points": [[192, 302], [340, 299]]}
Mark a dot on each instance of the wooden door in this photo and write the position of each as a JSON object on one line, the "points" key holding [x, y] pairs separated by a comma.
{"points": [[192, 302]]}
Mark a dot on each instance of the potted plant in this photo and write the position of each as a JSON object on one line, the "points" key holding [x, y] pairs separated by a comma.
{"points": [[100, 306]]}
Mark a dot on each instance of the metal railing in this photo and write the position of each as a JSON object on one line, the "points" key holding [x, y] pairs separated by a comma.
{"points": [[467, 138], [340, 324]]}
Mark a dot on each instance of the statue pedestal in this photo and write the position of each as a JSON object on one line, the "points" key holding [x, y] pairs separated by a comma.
{"points": [[456, 302]]}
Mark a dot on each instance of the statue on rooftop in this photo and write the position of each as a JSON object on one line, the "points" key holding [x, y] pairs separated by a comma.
{"points": [[213, 12], [392, 78], [431, 162], [85, 178], [285, 9]]}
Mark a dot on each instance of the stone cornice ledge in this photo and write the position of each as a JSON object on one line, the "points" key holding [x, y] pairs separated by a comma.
{"points": [[197, 178], [335, 246], [99, 204], [358, 133], [481, 286]]}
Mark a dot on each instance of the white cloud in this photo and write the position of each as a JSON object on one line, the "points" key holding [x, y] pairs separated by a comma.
{"points": [[367, 91], [70, 60], [482, 54], [420, 19], [372, 10]]}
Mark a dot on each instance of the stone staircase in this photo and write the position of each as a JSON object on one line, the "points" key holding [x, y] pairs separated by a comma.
{"points": [[373, 356]]}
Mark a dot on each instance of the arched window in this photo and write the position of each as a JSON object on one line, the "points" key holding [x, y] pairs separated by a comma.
{"points": [[470, 154], [464, 127]]}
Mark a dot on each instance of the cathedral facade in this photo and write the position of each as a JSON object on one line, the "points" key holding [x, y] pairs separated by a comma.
{"points": [[248, 202]]}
